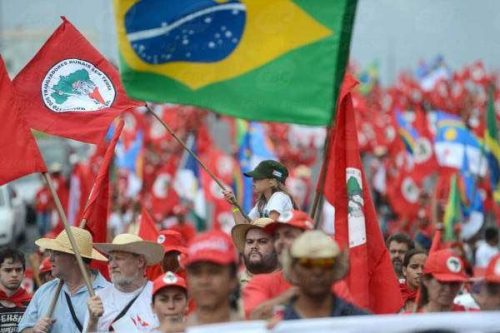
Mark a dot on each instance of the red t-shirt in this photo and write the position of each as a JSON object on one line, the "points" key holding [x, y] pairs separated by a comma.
{"points": [[264, 287]]}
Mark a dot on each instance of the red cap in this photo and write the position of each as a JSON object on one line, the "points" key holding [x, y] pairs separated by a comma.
{"points": [[169, 279], [492, 273], [295, 218], [45, 266], [445, 266], [171, 240], [212, 246]]}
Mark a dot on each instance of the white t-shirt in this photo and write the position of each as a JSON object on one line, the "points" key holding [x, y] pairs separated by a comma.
{"points": [[138, 318], [279, 202], [484, 253]]}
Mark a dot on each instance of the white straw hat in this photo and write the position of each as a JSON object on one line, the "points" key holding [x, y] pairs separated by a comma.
{"points": [[153, 252]]}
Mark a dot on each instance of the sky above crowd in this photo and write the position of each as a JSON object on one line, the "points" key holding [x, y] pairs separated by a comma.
{"points": [[396, 34]]}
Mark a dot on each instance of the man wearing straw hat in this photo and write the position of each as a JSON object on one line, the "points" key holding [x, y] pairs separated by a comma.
{"points": [[70, 308], [125, 306], [257, 248]]}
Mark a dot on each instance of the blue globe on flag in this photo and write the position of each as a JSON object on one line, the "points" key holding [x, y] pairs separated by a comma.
{"points": [[163, 31]]}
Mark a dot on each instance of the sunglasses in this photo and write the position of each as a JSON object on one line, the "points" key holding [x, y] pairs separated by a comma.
{"points": [[326, 263]]}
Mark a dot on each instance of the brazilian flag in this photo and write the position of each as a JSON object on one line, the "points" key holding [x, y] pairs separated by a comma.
{"points": [[266, 60]]}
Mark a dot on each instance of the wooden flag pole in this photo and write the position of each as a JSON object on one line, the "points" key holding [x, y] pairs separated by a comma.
{"points": [[234, 202], [71, 237], [322, 175], [53, 302]]}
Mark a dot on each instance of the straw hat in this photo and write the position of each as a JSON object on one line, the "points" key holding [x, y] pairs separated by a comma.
{"points": [[131, 243], [315, 244], [239, 231], [61, 243]]}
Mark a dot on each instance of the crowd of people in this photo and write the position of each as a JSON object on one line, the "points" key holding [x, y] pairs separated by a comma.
{"points": [[288, 271]]}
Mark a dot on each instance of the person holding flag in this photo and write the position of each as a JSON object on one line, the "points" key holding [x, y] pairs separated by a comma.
{"points": [[74, 294], [273, 198]]}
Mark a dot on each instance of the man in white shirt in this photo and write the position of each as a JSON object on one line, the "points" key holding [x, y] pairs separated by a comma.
{"points": [[125, 306], [488, 248]]}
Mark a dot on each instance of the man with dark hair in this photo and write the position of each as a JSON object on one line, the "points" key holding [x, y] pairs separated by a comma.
{"points": [[211, 266], [257, 248], [398, 244], [13, 298]]}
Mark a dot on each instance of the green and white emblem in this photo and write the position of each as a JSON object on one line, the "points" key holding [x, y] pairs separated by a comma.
{"points": [[355, 207], [75, 85]]}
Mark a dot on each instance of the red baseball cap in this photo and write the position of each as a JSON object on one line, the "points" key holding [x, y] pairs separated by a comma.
{"points": [[171, 240], [212, 246], [294, 218], [492, 273], [169, 279], [45, 266], [445, 266]]}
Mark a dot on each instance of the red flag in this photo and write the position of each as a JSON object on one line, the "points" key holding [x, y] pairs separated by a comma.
{"points": [[20, 154], [96, 210], [371, 279], [424, 156], [69, 89], [147, 228]]}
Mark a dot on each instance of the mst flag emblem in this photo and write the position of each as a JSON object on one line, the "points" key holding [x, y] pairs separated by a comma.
{"points": [[77, 85]]}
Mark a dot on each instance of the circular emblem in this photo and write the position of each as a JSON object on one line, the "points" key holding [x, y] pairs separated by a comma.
{"points": [[170, 278], [454, 265], [160, 239], [74, 85], [423, 150], [161, 184], [410, 190]]}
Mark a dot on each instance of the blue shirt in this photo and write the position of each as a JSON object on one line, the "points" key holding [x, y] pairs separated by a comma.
{"points": [[40, 303], [340, 308]]}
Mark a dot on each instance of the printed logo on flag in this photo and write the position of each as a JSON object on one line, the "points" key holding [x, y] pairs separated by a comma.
{"points": [[161, 184], [410, 190], [355, 207], [422, 150], [74, 85]]}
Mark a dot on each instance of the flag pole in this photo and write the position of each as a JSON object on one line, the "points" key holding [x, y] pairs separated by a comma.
{"points": [[234, 202], [322, 175], [53, 302], [72, 240]]}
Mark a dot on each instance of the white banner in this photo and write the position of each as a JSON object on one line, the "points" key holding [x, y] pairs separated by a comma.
{"points": [[460, 322]]}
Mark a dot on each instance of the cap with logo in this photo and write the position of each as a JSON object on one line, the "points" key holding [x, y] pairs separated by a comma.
{"points": [[293, 218], [172, 240], [492, 273], [212, 246], [269, 169], [169, 279], [445, 266]]}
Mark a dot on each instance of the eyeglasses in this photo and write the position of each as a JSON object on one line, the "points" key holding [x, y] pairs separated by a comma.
{"points": [[325, 263]]}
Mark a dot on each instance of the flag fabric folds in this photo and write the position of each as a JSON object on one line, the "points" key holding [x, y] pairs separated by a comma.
{"points": [[97, 208], [20, 153], [69, 89], [371, 279], [244, 58]]}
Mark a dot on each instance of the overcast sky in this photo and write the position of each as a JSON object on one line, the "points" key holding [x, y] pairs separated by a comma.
{"points": [[396, 33]]}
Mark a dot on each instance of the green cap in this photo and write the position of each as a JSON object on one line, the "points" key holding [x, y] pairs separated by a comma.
{"points": [[269, 169]]}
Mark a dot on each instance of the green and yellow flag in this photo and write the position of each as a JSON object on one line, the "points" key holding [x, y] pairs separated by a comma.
{"points": [[278, 60], [453, 211]]}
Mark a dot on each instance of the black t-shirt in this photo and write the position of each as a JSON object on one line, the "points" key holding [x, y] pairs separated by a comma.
{"points": [[10, 317]]}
